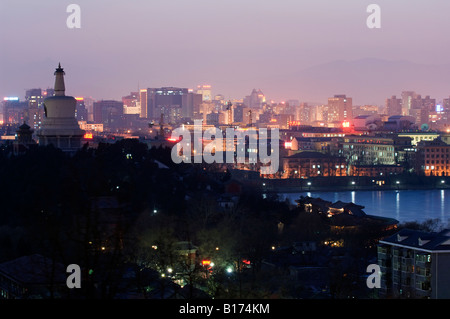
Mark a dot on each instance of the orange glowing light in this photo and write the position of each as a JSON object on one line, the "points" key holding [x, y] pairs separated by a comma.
{"points": [[172, 139], [79, 98], [206, 262], [287, 145], [346, 124], [88, 136]]}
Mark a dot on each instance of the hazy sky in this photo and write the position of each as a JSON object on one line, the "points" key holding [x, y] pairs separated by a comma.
{"points": [[234, 45]]}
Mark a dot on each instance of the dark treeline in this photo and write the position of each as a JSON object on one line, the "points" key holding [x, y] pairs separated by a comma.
{"points": [[106, 208], [124, 206]]}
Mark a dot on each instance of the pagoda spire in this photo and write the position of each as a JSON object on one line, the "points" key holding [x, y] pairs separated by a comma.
{"points": [[60, 88]]}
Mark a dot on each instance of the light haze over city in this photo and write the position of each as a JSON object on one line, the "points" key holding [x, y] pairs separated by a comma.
{"points": [[306, 50]]}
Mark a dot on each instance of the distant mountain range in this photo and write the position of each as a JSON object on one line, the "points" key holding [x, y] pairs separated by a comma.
{"points": [[367, 81]]}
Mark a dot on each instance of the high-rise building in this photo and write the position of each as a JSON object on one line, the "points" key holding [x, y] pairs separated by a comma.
{"points": [[34, 98], [205, 91], [255, 100], [242, 114], [407, 101], [35, 112], [393, 106], [13, 110], [109, 113], [81, 112], [190, 104], [143, 96], [59, 126], [303, 114], [131, 103], [420, 108], [340, 108], [174, 103]]}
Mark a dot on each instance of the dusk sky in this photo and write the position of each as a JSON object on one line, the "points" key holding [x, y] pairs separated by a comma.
{"points": [[234, 45]]}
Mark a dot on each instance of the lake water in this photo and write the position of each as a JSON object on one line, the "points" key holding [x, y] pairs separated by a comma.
{"points": [[403, 205]]}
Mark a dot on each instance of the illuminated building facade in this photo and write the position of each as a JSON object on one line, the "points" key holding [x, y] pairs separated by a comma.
{"points": [[81, 112], [13, 110], [340, 109], [131, 103], [375, 170], [417, 137], [360, 150], [311, 164], [432, 158], [205, 91], [143, 102], [174, 103]]}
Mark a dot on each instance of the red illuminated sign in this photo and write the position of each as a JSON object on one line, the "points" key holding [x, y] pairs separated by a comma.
{"points": [[294, 123]]}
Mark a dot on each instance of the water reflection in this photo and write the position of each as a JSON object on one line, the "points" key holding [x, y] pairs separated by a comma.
{"points": [[397, 205], [442, 204], [403, 205]]}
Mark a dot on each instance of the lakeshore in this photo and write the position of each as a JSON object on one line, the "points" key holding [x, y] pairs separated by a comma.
{"points": [[402, 205], [341, 184]]}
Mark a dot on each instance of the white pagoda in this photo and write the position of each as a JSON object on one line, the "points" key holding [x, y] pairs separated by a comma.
{"points": [[60, 126]]}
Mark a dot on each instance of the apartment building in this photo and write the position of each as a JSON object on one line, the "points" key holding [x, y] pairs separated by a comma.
{"points": [[433, 158], [414, 264]]}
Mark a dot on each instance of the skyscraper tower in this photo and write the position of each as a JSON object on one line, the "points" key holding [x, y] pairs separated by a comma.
{"points": [[340, 108], [60, 126]]}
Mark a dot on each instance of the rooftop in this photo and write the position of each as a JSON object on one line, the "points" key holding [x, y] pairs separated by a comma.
{"points": [[430, 242], [33, 270], [308, 154]]}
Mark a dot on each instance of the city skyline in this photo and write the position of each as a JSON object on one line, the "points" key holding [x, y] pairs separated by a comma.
{"points": [[226, 150], [289, 50]]}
